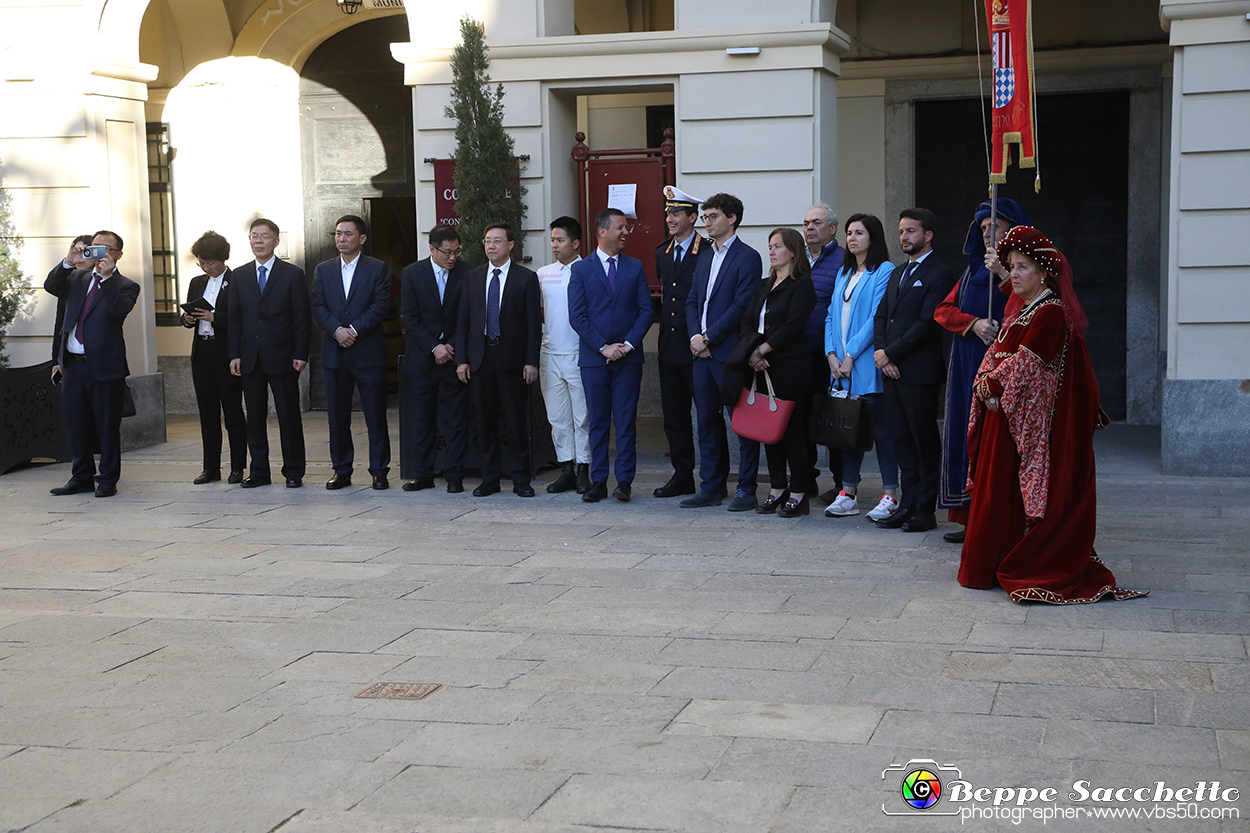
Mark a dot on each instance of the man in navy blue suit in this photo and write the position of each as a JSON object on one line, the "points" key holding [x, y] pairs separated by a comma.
{"points": [[724, 279], [93, 359], [610, 308], [350, 295]]}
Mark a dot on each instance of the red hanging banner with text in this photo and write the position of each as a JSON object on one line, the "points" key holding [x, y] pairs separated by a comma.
{"points": [[1011, 46]]}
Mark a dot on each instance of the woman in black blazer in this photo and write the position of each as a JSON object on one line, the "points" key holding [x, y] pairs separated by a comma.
{"points": [[217, 392], [772, 331]]}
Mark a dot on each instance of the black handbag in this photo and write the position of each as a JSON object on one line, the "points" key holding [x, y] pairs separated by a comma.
{"points": [[840, 420]]}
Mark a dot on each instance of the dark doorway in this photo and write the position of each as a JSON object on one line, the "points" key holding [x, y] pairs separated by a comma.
{"points": [[1083, 207], [356, 153]]}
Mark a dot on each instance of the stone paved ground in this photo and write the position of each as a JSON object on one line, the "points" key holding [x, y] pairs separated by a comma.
{"points": [[183, 658]]}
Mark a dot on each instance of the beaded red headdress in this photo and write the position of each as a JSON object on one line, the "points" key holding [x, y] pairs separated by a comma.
{"points": [[1028, 240]]}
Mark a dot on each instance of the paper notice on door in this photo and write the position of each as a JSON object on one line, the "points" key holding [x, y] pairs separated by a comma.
{"points": [[622, 197]]}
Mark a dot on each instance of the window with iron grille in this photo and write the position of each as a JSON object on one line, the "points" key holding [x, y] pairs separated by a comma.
{"points": [[164, 246]]}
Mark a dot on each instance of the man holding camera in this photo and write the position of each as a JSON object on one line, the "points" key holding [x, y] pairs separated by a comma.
{"points": [[92, 353]]}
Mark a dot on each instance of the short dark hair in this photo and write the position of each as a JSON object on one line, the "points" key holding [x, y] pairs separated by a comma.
{"points": [[117, 238], [358, 222], [727, 204], [441, 234], [926, 218], [506, 228], [570, 225], [603, 220], [211, 246], [85, 239], [263, 221]]}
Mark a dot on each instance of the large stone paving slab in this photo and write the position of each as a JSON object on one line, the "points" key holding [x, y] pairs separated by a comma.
{"points": [[184, 658]]}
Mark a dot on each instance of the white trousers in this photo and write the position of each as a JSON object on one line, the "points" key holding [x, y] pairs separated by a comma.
{"points": [[561, 381]]}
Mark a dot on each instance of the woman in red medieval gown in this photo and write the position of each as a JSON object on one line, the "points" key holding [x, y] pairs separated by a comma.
{"points": [[1034, 509]]}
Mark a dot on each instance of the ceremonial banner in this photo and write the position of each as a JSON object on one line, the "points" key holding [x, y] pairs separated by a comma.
{"points": [[1011, 46]]}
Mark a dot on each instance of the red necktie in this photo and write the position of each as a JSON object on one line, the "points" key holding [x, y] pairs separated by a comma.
{"points": [[92, 293]]}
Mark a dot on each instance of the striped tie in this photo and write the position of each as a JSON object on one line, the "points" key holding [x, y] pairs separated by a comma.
{"points": [[92, 294]]}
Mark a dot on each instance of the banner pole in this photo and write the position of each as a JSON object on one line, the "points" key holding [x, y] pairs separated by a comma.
{"points": [[994, 244]]}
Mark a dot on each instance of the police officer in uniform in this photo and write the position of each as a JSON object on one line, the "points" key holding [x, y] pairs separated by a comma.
{"points": [[675, 260]]}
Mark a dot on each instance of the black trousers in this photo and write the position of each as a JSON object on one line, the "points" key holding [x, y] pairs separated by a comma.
{"points": [[439, 393], [93, 409], [677, 399], [371, 382], [218, 394], [820, 384], [790, 381], [917, 443], [285, 387], [494, 390]]}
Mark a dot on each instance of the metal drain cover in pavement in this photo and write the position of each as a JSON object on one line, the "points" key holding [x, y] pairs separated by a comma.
{"points": [[399, 691]]}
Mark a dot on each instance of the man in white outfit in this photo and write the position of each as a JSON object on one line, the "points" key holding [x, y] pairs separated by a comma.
{"points": [[558, 373]]}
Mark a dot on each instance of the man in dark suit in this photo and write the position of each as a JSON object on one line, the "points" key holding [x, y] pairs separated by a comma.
{"points": [[217, 391], [430, 304], [675, 260], [610, 308], [350, 297], [909, 352], [498, 338], [268, 340], [93, 357], [74, 260], [726, 275]]}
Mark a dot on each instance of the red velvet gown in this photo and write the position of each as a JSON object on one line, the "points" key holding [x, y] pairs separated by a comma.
{"points": [[1034, 506]]}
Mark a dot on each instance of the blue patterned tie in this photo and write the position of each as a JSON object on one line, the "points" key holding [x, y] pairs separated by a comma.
{"points": [[492, 307], [260, 277], [612, 274]]}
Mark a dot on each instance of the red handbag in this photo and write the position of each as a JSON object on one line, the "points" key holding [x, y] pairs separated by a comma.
{"points": [[761, 418]]}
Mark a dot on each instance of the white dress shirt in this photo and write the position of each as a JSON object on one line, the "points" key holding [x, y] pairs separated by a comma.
{"points": [[72, 344], [349, 272], [211, 291], [718, 257], [559, 337]]}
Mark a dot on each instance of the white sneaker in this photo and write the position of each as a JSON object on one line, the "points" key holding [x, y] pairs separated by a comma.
{"points": [[887, 507], [844, 505]]}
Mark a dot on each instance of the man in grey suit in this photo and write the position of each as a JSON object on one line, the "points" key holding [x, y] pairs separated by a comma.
{"points": [[268, 340], [350, 296]]}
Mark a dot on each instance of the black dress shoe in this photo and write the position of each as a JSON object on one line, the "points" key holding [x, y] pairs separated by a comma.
{"points": [[207, 476], [254, 481], [583, 478], [920, 523], [566, 482], [701, 499], [295, 482], [955, 537], [338, 481], [596, 493], [455, 487], [523, 490], [795, 507], [488, 487], [623, 492], [105, 490], [419, 485], [675, 486], [772, 503], [380, 482], [896, 520], [73, 487], [235, 478]]}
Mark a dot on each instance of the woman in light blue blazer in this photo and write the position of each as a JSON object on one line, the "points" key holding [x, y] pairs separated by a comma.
{"points": [[848, 345]]}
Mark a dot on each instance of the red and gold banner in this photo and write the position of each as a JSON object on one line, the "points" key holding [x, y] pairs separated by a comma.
{"points": [[1011, 46]]}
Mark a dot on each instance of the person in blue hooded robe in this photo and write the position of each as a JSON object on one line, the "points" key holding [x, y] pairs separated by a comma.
{"points": [[966, 314]]}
